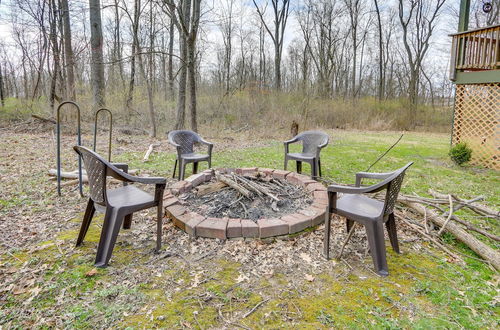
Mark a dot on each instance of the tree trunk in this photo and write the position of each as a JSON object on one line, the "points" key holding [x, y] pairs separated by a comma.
{"points": [[96, 44], [181, 100], [135, 28], [149, 89], [55, 53], [171, 34], [380, 55], [2, 95], [192, 85], [68, 52]]}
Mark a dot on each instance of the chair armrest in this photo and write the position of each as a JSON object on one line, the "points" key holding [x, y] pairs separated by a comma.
{"points": [[116, 173], [121, 166], [350, 189], [292, 140], [368, 175], [210, 145], [287, 142], [150, 180], [174, 144]]}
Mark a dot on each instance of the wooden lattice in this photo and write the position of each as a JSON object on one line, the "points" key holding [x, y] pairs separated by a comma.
{"points": [[477, 122]]}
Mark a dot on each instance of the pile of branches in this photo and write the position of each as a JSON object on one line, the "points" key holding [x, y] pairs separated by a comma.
{"points": [[247, 196], [438, 215]]}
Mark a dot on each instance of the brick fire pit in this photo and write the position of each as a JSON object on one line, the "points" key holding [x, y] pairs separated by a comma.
{"points": [[197, 225]]}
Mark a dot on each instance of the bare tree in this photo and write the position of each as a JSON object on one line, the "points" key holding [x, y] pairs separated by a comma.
{"points": [[68, 51], [280, 14], [186, 16], [2, 95], [96, 44], [381, 82], [418, 23]]}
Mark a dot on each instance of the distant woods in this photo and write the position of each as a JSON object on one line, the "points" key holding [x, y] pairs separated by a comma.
{"points": [[167, 60]]}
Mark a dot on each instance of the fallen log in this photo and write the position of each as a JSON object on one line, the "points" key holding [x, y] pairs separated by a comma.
{"points": [[68, 175], [45, 120], [483, 250], [149, 151], [209, 188]]}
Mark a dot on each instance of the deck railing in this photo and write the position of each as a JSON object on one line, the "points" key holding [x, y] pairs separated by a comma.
{"points": [[476, 50]]}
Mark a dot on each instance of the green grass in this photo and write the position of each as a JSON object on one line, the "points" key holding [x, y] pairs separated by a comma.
{"points": [[351, 152]]}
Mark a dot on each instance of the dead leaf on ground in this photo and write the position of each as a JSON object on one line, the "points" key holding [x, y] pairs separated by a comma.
{"points": [[306, 257], [91, 272], [309, 277]]}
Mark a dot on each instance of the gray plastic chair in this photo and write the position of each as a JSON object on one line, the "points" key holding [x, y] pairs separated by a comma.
{"points": [[183, 141], [371, 213], [312, 143], [118, 204]]}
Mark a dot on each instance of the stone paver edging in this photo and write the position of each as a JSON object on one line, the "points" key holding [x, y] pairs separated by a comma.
{"points": [[197, 225]]}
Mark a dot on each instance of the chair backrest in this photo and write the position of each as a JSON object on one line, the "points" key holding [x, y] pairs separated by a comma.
{"points": [[311, 140], [394, 183], [97, 169], [185, 139]]}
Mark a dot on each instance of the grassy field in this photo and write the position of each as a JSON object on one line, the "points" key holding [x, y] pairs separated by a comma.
{"points": [[204, 283]]}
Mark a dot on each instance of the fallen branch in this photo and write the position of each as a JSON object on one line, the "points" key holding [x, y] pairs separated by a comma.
{"points": [[45, 120], [427, 236], [233, 185], [449, 216], [258, 189], [150, 150], [255, 308], [479, 209], [483, 250], [351, 231]]}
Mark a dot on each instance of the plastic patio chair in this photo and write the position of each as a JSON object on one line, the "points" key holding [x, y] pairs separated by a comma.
{"points": [[312, 143], [184, 141], [118, 204], [371, 213]]}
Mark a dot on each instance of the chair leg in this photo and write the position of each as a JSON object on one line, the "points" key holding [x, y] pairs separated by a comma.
{"points": [[349, 223], [326, 240], [127, 223], [159, 223], [299, 167], [210, 162], [195, 167], [112, 223], [393, 234], [87, 219], [181, 167], [286, 163], [314, 170], [319, 167], [375, 234], [175, 167]]}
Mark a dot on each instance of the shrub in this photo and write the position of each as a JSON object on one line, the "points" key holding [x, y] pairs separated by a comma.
{"points": [[460, 153]]}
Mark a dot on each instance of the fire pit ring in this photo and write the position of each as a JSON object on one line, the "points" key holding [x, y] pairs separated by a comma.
{"points": [[198, 225]]}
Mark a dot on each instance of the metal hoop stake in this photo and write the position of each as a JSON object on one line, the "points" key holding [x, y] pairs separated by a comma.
{"points": [[110, 130], [78, 142]]}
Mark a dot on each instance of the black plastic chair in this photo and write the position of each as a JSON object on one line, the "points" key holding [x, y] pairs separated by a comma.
{"points": [[184, 142], [371, 213], [118, 204], [312, 143]]}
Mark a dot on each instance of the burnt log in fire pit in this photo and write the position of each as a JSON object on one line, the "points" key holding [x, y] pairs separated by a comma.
{"points": [[246, 202]]}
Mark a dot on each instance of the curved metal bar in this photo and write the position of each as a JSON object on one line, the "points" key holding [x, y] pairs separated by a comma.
{"points": [[78, 142], [110, 130]]}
